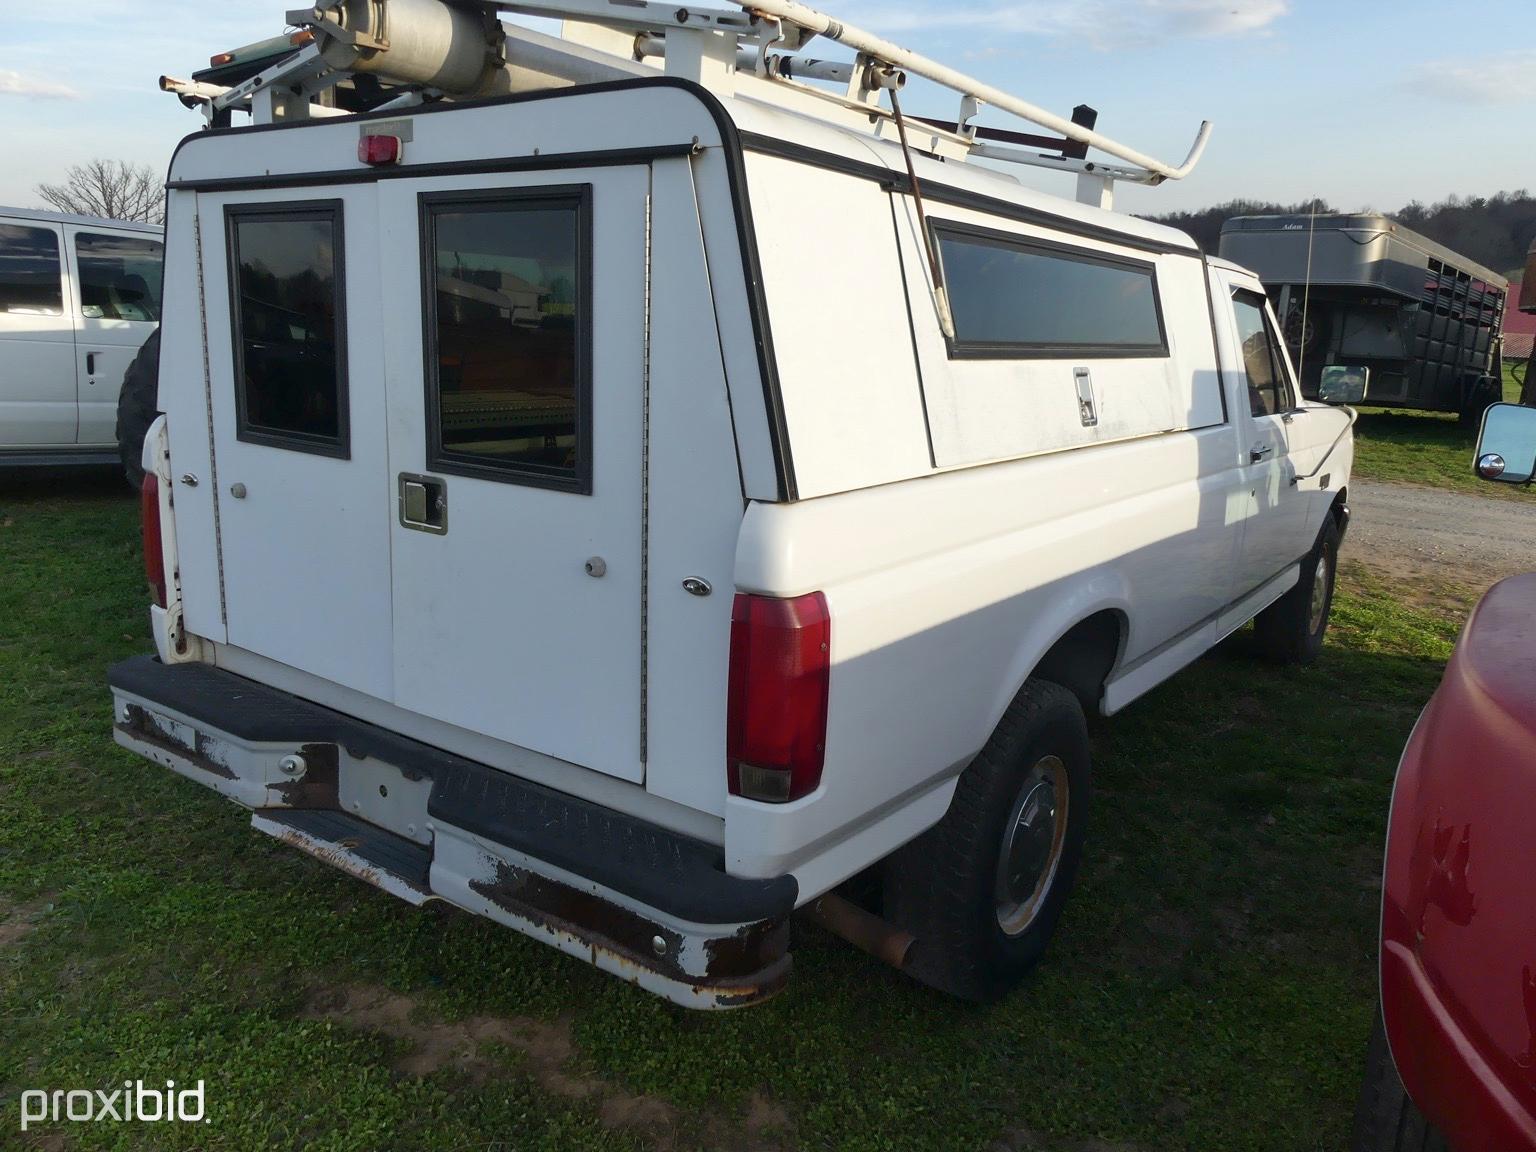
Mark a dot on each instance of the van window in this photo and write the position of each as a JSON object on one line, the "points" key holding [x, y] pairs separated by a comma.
{"points": [[506, 336], [1268, 392], [290, 341], [119, 276], [1028, 298], [31, 279]]}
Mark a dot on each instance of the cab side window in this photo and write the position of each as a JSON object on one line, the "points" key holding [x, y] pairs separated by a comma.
{"points": [[1269, 393], [31, 279]]}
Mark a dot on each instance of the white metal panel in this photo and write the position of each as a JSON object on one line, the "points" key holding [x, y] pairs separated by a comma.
{"points": [[983, 410], [103, 348], [306, 549], [744, 344], [498, 628], [182, 398], [37, 364], [1275, 531], [852, 401], [695, 508], [945, 593]]}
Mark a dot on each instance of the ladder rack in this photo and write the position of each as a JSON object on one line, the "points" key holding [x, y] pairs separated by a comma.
{"points": [[433, 49]]}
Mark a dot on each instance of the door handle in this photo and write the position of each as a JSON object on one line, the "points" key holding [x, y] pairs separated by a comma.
{"points": [[90, 363], [424, 503], [1259, 451]]}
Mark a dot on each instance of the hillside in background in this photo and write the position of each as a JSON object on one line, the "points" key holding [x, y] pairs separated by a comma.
{"points": [[1495, 231]]}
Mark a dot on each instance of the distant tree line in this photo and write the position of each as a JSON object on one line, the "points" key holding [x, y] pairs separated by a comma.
{"points": [[1495, 231]]}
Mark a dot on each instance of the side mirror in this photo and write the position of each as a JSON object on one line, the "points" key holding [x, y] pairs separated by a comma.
{"points": [[1343, 384], [1506, 446]]}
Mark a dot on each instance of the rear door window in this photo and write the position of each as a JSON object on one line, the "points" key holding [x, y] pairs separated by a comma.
{"points": [[507, 336], [290, 335], [119, 276], [31, 275]]}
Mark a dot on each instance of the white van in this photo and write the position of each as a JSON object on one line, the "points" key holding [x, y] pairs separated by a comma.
{"points": [[623, 508], [78, 296]]}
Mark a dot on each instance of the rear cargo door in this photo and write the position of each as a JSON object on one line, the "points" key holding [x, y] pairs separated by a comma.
{"points": [[295, 377], [516, 382]]}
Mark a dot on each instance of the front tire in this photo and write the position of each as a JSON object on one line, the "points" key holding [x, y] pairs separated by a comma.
{"points": [[983, 889], [1386, 1120], [1291, 630]]}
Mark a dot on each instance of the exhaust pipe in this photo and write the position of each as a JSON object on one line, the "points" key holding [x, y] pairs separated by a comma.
{"points": [[864, 930]]}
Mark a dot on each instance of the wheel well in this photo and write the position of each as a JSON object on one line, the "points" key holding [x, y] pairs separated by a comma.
{"points": [[1340, 502], [1082, 660]]}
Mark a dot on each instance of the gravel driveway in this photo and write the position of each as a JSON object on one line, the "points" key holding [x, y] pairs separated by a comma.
{"points": [[1412, 532]]}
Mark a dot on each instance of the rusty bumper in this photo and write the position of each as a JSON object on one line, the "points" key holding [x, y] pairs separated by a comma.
{"points": [[636, 900]]}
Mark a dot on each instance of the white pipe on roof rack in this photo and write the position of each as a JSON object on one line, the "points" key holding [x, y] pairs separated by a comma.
{"points": [[871, 45]]}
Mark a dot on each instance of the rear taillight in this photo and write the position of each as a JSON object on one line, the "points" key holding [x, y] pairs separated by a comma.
{"points": [[776, 720], [154, 552]]}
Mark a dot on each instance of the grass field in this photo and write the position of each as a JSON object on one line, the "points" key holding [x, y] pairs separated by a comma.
{"points": [[1426, 448], [1212, 987]]}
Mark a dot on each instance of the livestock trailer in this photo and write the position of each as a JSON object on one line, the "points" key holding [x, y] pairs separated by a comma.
{"points": [[1363, 290]]}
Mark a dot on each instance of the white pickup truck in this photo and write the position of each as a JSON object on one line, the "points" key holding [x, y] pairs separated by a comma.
{"points": [[631, 500]]}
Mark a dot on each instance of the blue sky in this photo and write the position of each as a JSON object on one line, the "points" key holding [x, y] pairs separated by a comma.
{"points": [[1368, 103]]}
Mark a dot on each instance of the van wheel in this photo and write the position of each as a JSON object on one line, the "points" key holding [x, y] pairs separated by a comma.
{"points": [[1291, 629], [982, 890], [137, 407], [1386, 1120]]}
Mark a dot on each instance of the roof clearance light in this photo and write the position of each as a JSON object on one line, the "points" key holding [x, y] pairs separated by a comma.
{"points": [[221, 59], [302, 37], [380, 150]]}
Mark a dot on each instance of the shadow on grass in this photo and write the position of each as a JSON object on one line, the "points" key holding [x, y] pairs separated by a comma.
{"points": [[95, 481]]}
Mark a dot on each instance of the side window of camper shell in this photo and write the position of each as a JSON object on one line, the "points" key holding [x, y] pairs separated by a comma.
{"points": [[1017, 298], [508, 335], [287, 298]]}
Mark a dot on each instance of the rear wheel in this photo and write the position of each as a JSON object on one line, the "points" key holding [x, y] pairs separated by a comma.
{"points": [[1291, 629], [983, 889], [137, 407], [1386, 1120], [1481, 394]]}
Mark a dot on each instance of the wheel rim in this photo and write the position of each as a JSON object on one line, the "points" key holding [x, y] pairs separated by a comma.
{"points": [[1319, 607], [1033, 839]]}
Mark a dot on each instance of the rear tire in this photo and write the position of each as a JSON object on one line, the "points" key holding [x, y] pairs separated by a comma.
{"points": [[1291, 630], [983, 889], [1386, 1120], [1485, 392], [137, 407]]}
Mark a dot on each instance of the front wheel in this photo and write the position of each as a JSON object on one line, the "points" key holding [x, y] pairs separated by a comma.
{"points": [[983, 889], [1386, 1120], [1291, 630]]}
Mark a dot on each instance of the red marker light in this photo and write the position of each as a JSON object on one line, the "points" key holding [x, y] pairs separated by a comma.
{"points": [[380, 150]]}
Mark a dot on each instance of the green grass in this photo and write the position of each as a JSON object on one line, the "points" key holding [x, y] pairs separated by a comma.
{"points": [[1425, 448], [1212, 986]]}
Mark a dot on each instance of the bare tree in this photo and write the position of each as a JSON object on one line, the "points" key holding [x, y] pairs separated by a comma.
{"points": [[114, 189]]}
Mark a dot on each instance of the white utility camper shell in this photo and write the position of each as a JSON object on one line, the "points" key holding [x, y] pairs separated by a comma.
{"points": [[627, 510], [78, 296]]}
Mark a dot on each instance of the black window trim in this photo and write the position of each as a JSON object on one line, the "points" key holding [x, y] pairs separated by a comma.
{"points": [[440, 459], [1022, 350], [334, 212], [1283, 379]]}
